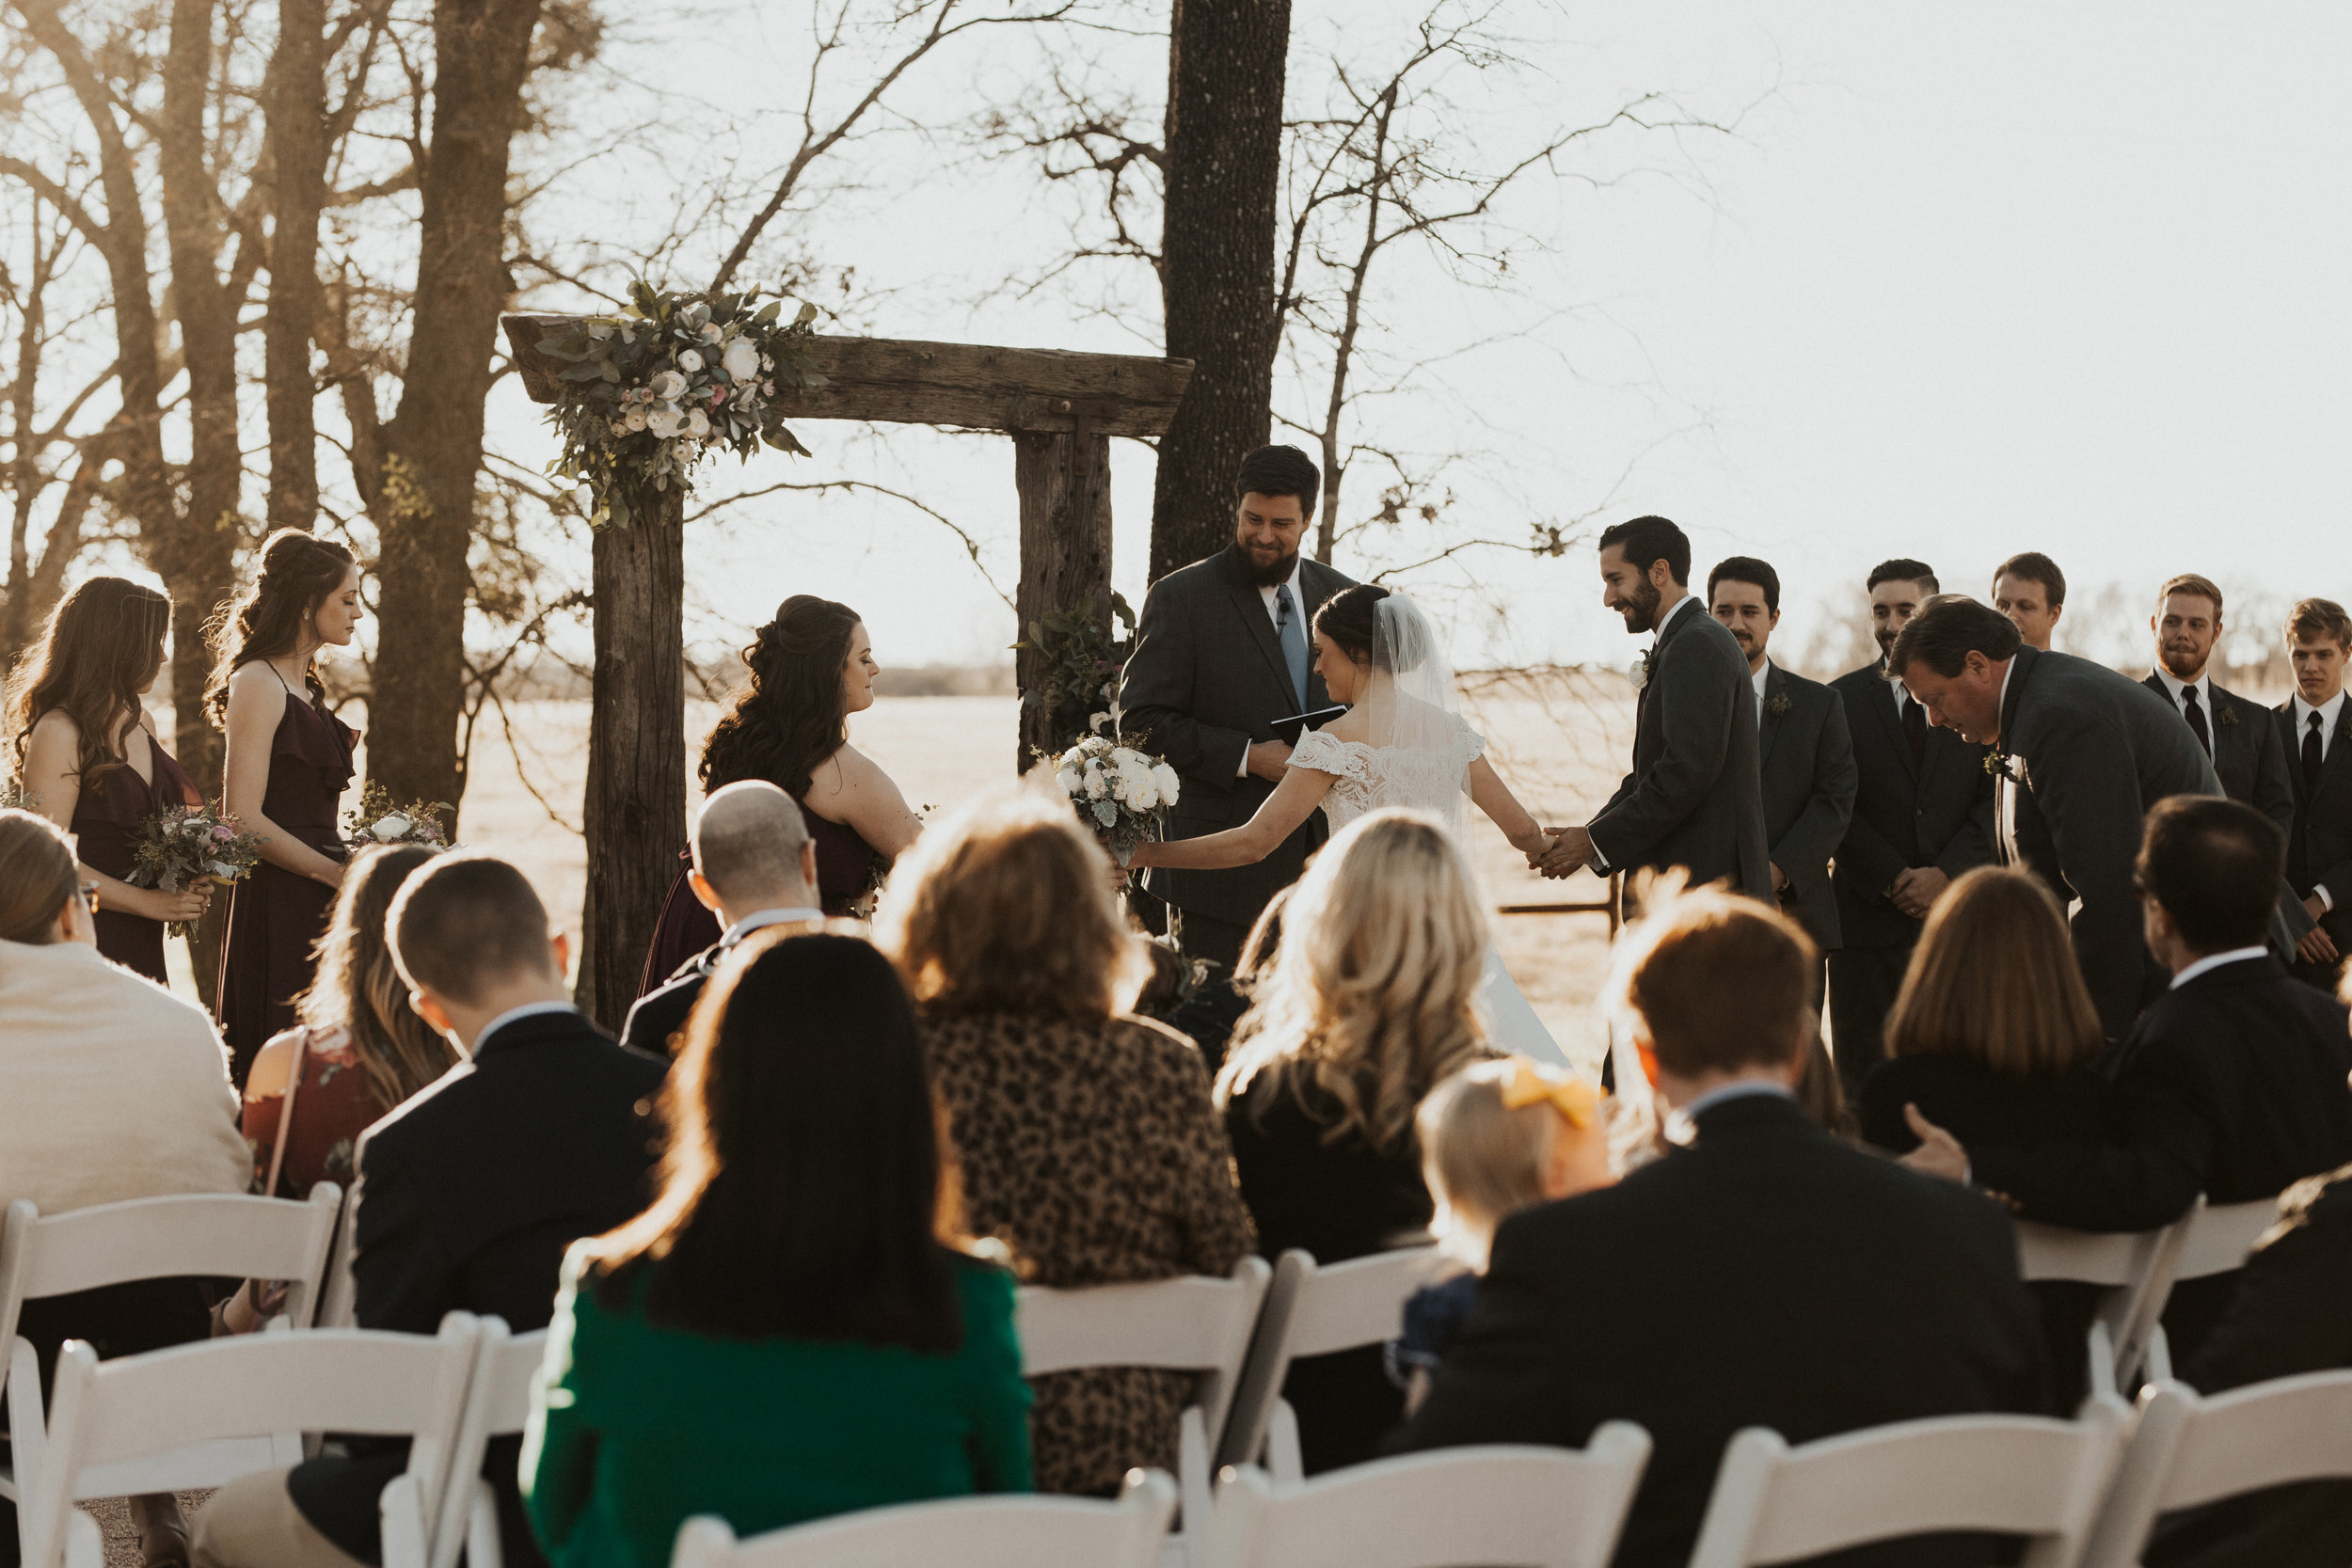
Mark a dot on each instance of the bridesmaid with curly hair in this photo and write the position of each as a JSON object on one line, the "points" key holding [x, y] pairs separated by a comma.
{"points": [[810, 667], [89, 760], [289, 762]]}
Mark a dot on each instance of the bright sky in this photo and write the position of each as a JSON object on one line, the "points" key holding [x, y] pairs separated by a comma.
{"points": [[1973, 279]]}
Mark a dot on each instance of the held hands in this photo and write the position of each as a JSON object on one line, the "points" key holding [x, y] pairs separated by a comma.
{"points": [[1939, 1153], [1268, 758], [1571, 851], [1915, 890]]}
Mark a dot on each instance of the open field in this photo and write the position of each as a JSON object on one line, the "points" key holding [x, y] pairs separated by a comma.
{"points": [[1558, 740]]}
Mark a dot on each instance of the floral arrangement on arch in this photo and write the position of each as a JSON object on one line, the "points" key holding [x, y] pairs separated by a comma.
{"points": [[646, 394]]}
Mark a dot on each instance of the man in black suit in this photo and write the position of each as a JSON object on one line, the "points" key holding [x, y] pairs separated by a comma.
{"points": [[2233, 1083], [1922, 815], [2029, 589], [1802, 747], [1695, 797], [1764, 1274], [1222, 652], [2079, 755], [467, 1194], [754, 866], [2315, 727]]}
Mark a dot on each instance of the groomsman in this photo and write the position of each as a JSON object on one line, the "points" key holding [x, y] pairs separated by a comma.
{"points": [[1922, 815], [2079, 755], [2246, 753], [1693, 798], [2031, 591], [1802, 747], [2316, 730]]}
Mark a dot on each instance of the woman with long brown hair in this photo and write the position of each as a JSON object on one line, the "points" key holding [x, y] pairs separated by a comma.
{"points": [[808, 670], [89, 760], [288, 764]]}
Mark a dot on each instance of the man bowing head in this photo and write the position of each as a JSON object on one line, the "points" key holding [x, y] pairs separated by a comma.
{"points": [[1694, 797]]}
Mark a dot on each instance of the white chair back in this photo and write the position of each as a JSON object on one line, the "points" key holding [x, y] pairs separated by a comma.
{"points": [[2135, 1267], [498, 1404], [203, 1414], [1507, 1506], [2023, 1475], [960, 1532], [338, 1302], [1315, 1310], [2213, 1240], [2188, 1450]]}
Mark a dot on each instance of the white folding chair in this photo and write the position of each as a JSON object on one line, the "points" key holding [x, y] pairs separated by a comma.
{"points": [[1188, 1324], [204, 1415], [2214, 1240], [338, 1298], [2136, 1268], [203, 1234], [498, 1404], [2020, 1475], [2188, 1450], [1314, 1309], [956, 1532], [1511, 1507]]}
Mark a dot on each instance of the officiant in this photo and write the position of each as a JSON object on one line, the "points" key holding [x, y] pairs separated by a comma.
{"points": [[1222, 654]]}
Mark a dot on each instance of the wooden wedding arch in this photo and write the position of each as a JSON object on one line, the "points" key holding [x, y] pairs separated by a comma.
{"points": [[1060, 408]]}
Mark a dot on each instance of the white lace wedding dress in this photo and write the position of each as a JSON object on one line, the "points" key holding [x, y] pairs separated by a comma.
{"points": [[1428, 778]]}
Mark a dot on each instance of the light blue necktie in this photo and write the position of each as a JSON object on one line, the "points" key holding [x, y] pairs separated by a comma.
{"points": [[1294, 637]]}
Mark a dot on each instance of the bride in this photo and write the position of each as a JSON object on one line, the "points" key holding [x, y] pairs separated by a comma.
{"points": [[1401, 743]]}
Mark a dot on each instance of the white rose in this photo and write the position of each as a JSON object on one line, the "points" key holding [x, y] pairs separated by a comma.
{"points": [[697, 423], [710, 332], [1070, 780], [688, 361], [664, 419], [668, 387], [741, 360], [1127, 756], [392, 827], [635, 419], [1097, 787], [1163, 777]]}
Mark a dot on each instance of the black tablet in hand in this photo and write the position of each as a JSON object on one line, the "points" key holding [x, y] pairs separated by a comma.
{"points": [[1289, 730]]}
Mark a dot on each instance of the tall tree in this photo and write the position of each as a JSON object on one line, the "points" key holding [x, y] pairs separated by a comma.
{"points": [[297, 141], [1222, 166]]}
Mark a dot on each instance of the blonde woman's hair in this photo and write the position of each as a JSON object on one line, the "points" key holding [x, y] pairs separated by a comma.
{"points": [[358, 988], [1994, 979], [1374, 993], [1006, 907]]}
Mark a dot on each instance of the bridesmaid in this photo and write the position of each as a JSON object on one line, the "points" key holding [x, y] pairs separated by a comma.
{"points": [[86, 752], [811, 667], [289, 761]]}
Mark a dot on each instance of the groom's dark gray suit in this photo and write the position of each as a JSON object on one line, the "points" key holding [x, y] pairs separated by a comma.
{"points": [[1696, 794], [1207, 679]]}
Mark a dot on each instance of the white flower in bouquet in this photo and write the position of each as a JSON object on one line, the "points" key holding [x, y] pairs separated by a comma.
{"points": [[635, 419], [740, 360], [390, 828], [697, 423], [688, 361], [668, 387], [1165, 777], [712, 332], [1097, 787], [665, 419]]}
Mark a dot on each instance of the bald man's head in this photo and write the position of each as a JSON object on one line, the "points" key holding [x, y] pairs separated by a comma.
{"points": [[751, 846]]}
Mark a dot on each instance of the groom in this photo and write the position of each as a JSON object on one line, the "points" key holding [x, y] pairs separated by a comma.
{"points": [[1221, 653]]}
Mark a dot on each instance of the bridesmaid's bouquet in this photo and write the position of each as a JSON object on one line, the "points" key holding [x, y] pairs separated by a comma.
{"points": [[184, 847], [1121, 795], [376, 820]]}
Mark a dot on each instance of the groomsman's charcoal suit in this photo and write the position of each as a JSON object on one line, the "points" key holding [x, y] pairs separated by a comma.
{"points": [[2087, 751], [1924, 797], [1209, 676], [2238, 734], [1808, 782], [1694, 797], [2319, 844]]}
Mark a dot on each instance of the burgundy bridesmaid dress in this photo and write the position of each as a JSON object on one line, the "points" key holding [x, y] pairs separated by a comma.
{"points": [[845, 870], [106, 822], [275, 917]]}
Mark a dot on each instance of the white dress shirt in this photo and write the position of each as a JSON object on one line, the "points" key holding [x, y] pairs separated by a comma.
{"points": [[762, 919], [1599, 862], [2174, 683], [1758, 679], [528, 1009], [2214, 960], [1274, 614]]}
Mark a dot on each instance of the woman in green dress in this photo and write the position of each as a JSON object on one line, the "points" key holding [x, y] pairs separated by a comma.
{"points": [[792, 1329]]}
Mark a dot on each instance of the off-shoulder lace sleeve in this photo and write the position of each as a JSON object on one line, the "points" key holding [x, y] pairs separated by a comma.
{"points": [[1326, 753], [1473, 745]]}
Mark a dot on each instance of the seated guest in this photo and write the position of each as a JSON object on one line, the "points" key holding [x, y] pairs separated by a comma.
{"points": [[111, 1088], [1371, 1002], [790, 1331], [467, 1194], [754, 866], [1763, 1274], [1085, 1137], [1993, 1032], [2232, 1083]]}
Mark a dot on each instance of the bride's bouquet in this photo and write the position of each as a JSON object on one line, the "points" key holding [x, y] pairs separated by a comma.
{"points": [[376, 820], [183, 847], [1120, 794]]}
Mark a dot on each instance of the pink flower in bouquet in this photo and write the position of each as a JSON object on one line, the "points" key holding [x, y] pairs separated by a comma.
{"points": [[223, 832]]}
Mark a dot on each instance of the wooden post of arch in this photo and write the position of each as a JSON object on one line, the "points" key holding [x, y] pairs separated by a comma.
{"points": [[1062, 410]]}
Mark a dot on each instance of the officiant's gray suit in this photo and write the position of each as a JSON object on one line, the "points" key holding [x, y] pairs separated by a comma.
{"points": [[1207, 678], [1696, 794]]}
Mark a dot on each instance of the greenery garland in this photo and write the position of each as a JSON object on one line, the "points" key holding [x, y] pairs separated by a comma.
{"points": [[646, 394]]}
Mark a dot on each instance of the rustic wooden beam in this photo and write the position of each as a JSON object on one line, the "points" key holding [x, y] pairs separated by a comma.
{"points": [[891, 381], [1065, 488]]}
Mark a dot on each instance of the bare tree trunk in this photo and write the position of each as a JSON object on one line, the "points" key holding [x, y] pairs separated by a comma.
{"points": [[16, 620], [1065, 488], [1224, 153], [635, 805], [433, 447], [297, 135]]}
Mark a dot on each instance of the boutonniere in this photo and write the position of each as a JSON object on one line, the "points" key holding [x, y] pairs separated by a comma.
{"points": [[1999, 762], [2227, 715], [1640, 672], [1779, 705]]}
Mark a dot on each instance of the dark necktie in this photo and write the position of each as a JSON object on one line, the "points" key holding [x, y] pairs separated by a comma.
{"points": [[1916, 728], [1293, 640], [2194, 711], [2311, 757]]}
